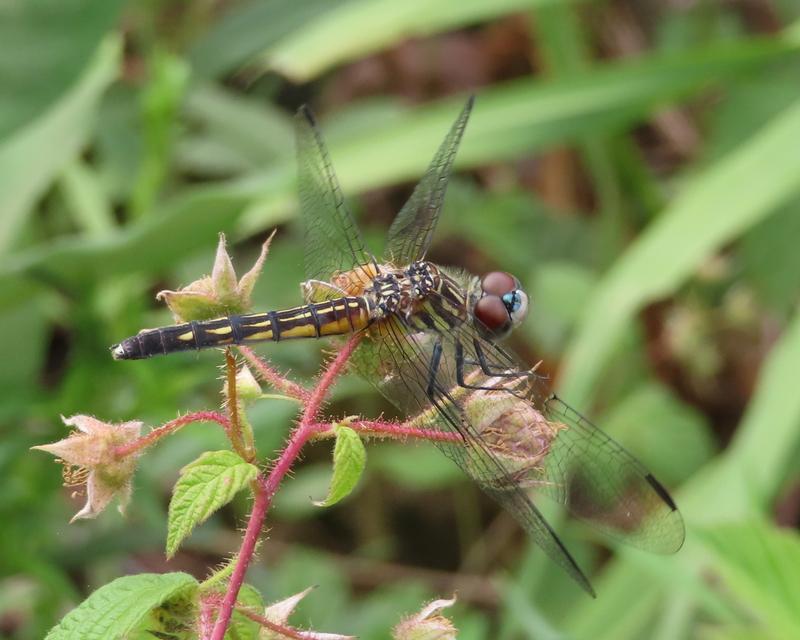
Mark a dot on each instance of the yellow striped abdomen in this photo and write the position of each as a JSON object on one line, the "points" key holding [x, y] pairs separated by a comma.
{"points": [[314, 320]]}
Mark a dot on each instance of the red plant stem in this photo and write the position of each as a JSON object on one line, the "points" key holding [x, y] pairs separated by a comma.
{"points": [[251, 535], [278, 628], [272, 377], [265, 491], [266, 488], [167, 428], [393, 430], [333, 370]]}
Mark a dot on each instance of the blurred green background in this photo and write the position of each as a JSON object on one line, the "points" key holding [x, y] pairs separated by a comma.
{"points": [[635, 163]]}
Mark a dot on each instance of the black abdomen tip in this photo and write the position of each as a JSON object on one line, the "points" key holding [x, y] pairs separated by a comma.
{"points": [[128, 349]]}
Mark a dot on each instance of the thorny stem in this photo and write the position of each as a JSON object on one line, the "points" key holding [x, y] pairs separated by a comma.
{"points": [[394, 430], [265, 488], [167, 428], [272, 377], [278, 628], [251, 535], [232, 405], [333, 370]]}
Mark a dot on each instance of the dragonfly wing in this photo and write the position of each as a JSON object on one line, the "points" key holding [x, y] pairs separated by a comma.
{"points": [[411, 232], [600, 482], [333, 242], [561, 454], [397, 361]]}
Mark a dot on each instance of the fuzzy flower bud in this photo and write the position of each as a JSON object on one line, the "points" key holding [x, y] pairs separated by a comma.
{"points": [[88, 458], [427, 624], [247, 387], [513, 430], [219, 294]]}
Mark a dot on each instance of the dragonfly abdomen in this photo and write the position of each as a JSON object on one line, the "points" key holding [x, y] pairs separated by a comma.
{"points": [[314, 320]]}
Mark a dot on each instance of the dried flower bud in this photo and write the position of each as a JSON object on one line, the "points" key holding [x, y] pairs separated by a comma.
{"points": [[279, 612], [513, 429], [88, 455], [427, 624], [218, 294]]}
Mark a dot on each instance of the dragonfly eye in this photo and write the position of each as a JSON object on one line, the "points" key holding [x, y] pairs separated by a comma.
{"points": [[493, 314], [498, 283]]}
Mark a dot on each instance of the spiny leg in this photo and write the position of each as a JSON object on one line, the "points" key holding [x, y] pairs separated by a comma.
{"points": [[460, 362], [433, 367], [483, 363]]}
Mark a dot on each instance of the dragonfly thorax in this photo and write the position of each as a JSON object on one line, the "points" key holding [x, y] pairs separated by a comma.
{"points": [[402, 291]]}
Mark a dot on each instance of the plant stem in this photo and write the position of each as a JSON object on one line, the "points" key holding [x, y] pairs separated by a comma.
{"points": [[167, 428], [265, 489], [251, 535], [232, 404], [277, 628], [272, 377], [333, 370], [394, 430]]}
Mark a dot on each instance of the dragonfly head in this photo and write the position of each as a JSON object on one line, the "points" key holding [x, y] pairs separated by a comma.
{"points": [[501, 304]]}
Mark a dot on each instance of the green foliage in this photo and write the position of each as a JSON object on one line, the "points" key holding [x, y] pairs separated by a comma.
{"points": [[759, 564], [205, 485], [739, 191], [28, 161], [349, 459], [317, 45], [124, 607], [632, 170]]}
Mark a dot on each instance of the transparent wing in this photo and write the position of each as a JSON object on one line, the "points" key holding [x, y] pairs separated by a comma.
{"points": [[396, 361], [333, 242], [516, 439], [554, 450], [411, 232]]}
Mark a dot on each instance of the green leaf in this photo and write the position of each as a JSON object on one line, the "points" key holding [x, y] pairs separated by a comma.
{"points": [[86, 199], [719, 205], [116, 609], [373, 25], [349, 459], [520, 116], [248, 29], [30, 159], [204, 486], [160, 101], [759, 565], [510, 119], [743, 480], [44, 47]]}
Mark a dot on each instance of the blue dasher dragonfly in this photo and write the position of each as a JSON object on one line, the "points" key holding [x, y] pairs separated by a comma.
{"points": [[431, 345]]}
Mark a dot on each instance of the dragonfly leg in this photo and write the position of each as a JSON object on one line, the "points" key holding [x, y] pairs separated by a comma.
{"points": [[433, 367], [461, 361], [316, 290], [483, 363]]}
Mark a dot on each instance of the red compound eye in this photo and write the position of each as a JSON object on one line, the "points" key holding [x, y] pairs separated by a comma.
{"points": [[491, 311], [498, 283]]}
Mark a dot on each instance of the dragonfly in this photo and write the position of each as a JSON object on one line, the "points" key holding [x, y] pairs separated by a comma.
{"points": [[432, 344]]}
